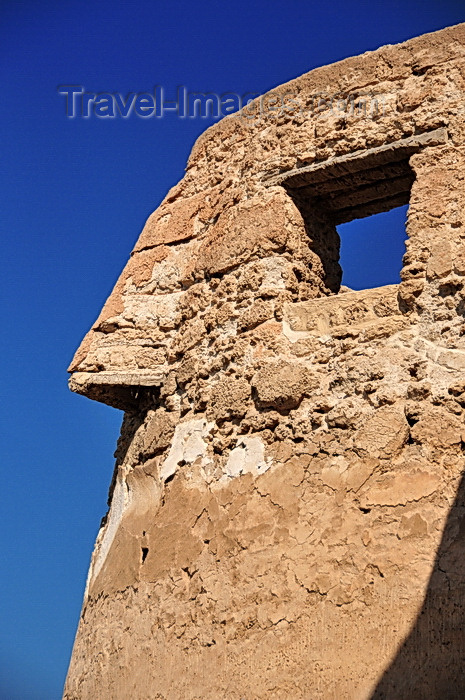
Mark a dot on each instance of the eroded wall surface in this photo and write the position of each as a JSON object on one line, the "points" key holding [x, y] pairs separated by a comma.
{"points": [[286, 514]]}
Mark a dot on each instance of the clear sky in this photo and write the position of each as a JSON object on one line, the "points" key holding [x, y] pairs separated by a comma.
{"points": [[74, 196]]}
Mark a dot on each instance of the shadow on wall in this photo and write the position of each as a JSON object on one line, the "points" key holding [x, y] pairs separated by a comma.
{"points": [[430, 664]]}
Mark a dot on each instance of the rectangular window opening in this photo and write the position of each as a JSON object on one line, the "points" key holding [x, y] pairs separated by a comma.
{"points": [[372, 249], [354, 208]]}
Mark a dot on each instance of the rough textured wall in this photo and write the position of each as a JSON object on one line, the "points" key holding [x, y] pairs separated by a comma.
{"points": [[286, 515]]}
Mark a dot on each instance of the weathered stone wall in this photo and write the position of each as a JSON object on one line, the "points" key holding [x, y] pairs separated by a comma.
{"points": [[286, 514]]}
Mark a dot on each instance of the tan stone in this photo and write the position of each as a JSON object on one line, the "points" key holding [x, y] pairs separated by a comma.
{"points": [[159, 432], [384, 434], [253, 229], [282, 385], [393, 489], [229, 398], [176, 221]]}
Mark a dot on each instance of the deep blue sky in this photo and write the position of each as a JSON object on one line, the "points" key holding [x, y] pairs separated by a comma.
{"points": [[74, 197]]}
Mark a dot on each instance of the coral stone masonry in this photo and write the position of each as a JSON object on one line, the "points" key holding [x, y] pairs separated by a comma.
{"points": [[287, 515]]}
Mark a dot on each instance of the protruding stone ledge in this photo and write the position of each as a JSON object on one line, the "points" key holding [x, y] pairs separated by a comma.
{"points": [[121, 390]]}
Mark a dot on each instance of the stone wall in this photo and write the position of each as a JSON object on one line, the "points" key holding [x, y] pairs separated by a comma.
{"points": [[286, 513]]}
